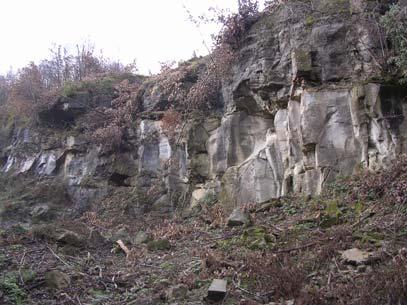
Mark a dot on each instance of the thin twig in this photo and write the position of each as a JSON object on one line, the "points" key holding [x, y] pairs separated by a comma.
{"points": [[19, 267], [35, 285], [296, 248], [59, 258], [256, 296], [79, 301]]}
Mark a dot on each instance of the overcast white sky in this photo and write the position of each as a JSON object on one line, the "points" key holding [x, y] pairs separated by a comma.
{"points": [[149, 31]]}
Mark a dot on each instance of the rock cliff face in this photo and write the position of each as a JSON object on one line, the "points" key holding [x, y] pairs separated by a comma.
{"points": [[303, 106]]}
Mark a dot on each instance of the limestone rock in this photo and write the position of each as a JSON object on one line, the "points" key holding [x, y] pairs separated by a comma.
{"points": [[238, 218], [217, 290], [302, 64], [200, 165], [57, 280], [41, 212], [355, 256], [295, 114], [197, 196], [142, 238]]}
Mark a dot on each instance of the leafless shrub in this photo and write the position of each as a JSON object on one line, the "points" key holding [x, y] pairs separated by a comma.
{"points": [[386, 284], [5, 88], [312, 296], [167, 66], [205, 93], [189, 279], [108, 126], [215, 215], [278, 275], [92, 219], [235, 26], [171, 122], [63, 65], [173, 230], [337, 238], [390, 184], [36, 87], [172, 83]]}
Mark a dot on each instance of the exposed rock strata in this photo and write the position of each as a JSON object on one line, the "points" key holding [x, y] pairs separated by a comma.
{"points": [[303, 106]]}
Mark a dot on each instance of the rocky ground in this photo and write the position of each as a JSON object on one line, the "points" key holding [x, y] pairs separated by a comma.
{"points": [[346, 246]]}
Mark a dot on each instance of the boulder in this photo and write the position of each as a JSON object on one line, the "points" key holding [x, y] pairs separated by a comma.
{"points": [[41, 212], [356, 256], [217, 290], [238, 218]]}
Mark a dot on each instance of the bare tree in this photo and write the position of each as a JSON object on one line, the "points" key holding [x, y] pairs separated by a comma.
{"points": [[5, 88]]}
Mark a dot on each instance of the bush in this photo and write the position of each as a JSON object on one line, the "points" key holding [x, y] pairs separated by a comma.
{"points": [[387, 26], [280, 274], [389, 185], [27, 92], [394, 23], [235, 26], [9, 286], [171, 123], [98, 85], [108, 125], [206, 92]]}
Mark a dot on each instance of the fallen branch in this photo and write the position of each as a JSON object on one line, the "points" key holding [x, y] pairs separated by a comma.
{"points": [[296, 248], [363, 218], [20, 266], [35, 285], [60, 259], [123, 247], [256, 296]]}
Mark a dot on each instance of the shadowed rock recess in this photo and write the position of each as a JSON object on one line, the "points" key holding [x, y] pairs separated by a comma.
{"points": [[305, 104]]}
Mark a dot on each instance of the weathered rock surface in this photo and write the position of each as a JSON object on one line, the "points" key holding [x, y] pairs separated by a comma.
{"points": [[76, 236], [217, 290], [238, 218], [356, 256], [304, 105], [142, 238]]}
